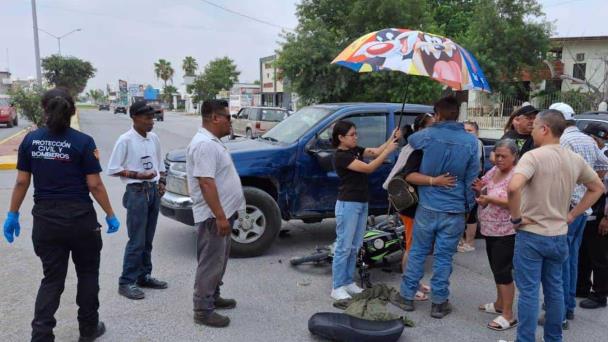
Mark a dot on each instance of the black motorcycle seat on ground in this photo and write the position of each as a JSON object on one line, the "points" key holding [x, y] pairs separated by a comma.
{"points": [[344, 328]]}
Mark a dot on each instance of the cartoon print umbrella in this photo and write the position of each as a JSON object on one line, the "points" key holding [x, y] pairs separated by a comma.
{"points": [[415, 53]]}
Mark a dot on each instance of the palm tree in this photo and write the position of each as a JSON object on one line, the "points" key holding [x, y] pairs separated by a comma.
{"points": [[164, 71], [189, 65]]}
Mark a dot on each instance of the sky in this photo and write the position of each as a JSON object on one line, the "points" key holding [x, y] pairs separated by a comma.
{"points": [[123, 38]]}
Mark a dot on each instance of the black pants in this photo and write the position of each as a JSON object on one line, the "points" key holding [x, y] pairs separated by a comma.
{"points": [[593, 258], [61, 228]]}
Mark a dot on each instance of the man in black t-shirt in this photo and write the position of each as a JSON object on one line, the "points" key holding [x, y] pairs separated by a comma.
{"points": [[520, 128]]}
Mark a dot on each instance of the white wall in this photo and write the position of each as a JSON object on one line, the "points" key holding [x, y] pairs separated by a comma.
{"points": [[596, 55]]}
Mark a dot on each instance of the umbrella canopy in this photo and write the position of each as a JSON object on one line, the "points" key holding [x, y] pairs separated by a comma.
{"points": [[415, 53]]}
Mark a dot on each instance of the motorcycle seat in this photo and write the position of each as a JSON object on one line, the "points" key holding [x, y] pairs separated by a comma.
{"points": [[344, 328]]}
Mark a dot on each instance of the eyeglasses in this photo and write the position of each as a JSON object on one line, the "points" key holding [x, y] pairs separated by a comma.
{"points": [[351, 135]]}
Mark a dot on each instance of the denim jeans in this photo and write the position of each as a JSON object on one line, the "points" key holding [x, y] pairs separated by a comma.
{"points": [[538, 259], [445, 230], [142, 202], [351, 221], [570, 267]]}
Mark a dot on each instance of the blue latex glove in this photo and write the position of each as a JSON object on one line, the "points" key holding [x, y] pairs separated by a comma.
{"points": [[11, 226], [113, 224]]}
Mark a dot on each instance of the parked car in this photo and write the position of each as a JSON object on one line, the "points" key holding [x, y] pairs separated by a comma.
{"points": [[8, 112], [120, 109], [255, 121], [159, 111], [104, 107], [584, 119]]}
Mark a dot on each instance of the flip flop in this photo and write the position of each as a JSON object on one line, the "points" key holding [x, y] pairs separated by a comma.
{"points": [[421, 297], [503, 324], [424, 288], [489, 308]]}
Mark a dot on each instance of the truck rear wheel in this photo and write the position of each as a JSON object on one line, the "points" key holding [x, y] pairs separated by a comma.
{"points": [[256, 228]]}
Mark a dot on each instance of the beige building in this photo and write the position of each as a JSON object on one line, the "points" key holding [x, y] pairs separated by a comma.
{"points": [[273, 84], [585, 60]]}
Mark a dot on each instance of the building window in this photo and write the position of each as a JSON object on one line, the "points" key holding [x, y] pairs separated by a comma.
{"points": [[580, 57], [578, 70], [268, 66]]}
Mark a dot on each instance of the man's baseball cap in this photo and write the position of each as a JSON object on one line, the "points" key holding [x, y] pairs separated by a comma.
{"points": [[565, 109], [526, 110], [140, 108], [596, 130]]}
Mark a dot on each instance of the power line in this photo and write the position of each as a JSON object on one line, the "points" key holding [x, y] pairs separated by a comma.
{"points": [[246, 16]]}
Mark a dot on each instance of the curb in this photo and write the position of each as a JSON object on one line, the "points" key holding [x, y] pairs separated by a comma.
{"points": [[9, 162]]}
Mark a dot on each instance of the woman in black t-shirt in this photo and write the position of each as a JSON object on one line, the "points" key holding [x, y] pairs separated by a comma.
{"points": [[352, 203]]}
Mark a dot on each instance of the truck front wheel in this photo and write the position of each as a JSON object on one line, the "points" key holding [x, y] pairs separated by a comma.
{"points": [[257, 226]]}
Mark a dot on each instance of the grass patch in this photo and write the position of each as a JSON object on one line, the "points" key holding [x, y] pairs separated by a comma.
{"points": [[85, 106]]}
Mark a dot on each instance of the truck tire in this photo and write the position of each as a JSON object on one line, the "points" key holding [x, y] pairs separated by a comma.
{"points": [[16, 122], [249, 134], [257, 227], [10, 124]]}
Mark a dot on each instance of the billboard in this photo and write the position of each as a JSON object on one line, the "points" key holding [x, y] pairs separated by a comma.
{"points": [[123, 94], [136, 90]]}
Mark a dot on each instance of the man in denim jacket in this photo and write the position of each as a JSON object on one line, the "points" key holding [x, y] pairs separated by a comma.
{"points": [[441, 213]]}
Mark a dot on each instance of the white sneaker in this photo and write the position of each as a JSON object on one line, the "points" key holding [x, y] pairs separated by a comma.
{"points": [[353, 289], [340, 293]]}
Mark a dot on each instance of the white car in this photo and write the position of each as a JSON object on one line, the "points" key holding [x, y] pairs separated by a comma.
{"points": [[255, 121]]}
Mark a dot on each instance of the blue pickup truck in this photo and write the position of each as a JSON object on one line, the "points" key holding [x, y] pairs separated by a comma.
{"points": [[288, 174]]}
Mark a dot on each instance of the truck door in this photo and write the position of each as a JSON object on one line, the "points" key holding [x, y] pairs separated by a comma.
{"points": [[317, 181]]}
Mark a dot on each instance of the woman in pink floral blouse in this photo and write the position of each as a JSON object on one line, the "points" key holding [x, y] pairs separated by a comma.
{"points": [[495, 224]]}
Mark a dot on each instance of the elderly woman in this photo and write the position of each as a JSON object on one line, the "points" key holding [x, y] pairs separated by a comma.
{"points": [[494, 217]]}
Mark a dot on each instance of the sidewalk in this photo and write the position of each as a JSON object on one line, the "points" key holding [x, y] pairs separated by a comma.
{"points": [[10, 145]]}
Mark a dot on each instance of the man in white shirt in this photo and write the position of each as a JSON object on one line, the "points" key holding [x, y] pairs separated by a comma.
{"points": [[217, 196], [137, 160]]}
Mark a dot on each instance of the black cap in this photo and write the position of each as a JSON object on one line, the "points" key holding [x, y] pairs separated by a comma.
{"points": [[141, 108], [526, 111], [597, 130]]}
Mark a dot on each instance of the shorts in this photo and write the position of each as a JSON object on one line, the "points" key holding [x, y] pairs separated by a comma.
{"points": [[472, 219], [500, 255]]}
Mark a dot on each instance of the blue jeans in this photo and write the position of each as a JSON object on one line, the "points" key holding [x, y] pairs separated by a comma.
{"points": [[445, 230], [142, 202], [538, 259], [570, 267], [351, 221]]}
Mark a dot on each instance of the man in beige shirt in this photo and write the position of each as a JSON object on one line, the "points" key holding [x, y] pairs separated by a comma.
{"points": [[539, 198]]}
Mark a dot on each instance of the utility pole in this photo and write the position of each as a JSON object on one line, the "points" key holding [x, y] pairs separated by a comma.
{"points": [[36, 45]]}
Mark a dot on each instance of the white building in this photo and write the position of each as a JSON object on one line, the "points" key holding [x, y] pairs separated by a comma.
{"points": [[585, 59]]}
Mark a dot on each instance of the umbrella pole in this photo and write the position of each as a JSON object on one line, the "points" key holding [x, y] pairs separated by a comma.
{"points": [[407, 83]]}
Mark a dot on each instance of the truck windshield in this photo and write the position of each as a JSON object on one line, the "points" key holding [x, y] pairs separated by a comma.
{"points": [[292, 128], [4, 103]]}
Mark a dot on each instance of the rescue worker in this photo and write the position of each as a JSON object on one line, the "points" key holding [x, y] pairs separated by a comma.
{"points": [[65, 165]]}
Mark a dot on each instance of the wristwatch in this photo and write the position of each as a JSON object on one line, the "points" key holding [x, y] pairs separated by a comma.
{"points": [[516, 221]]}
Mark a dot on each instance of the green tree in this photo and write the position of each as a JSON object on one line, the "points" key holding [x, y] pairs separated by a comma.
{"points": [[167, 95], [189, 65], [96, 95], [68, 72], [29, 103], [326, 27], [164, 70], [220, 73], [505, 41]]}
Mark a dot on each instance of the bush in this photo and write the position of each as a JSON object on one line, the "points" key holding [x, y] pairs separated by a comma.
{"points": [[28, 103]]}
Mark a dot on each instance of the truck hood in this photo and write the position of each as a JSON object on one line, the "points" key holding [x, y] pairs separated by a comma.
{"points": [[240, 149]]}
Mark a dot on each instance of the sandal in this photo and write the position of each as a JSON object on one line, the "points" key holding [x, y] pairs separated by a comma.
{"points": [[424, 288], [489, 308], [421, 296], [502, 323]]}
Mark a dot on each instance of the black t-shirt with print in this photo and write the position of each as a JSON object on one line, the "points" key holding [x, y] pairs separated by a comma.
{"points": [[353, 185], [524, 142]]}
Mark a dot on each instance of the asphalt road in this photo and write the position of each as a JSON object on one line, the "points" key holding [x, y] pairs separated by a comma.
{"points": [[275, 300], [6, 132]]}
